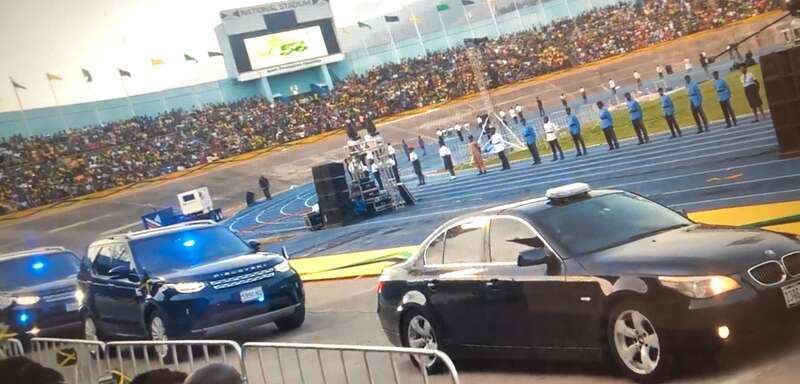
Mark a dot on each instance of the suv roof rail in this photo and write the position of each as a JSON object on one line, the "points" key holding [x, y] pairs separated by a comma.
{"points": [[35, 250], [151, 231]]}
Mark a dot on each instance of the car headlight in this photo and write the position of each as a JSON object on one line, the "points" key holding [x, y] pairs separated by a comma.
{"points": [[700, 287], [79, 296], [6, 301], [190, 287], [283, 266], [27, 300]]}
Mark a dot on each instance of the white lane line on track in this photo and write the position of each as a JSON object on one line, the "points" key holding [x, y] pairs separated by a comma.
{"points": [[734, 197], [78, 224], [120, 228], [592, 175], [726, 185], [588, 166]]}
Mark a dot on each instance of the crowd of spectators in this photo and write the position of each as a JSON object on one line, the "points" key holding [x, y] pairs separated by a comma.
{"points": [[44, 169]]}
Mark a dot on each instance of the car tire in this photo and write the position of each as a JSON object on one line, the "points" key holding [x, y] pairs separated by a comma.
{"points": [[418, 330], [90, 332], [157, 331], [292, 321], [637, 344]]}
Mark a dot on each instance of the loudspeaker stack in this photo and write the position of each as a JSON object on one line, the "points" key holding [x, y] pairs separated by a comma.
{"points": [[333, 193], [781, 71]]}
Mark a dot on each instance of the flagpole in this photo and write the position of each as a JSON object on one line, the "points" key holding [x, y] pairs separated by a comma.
{"points": [[541, 11], [419, 35], [469, 22], [94, 103], [391, 39], [366, 49], [569, 11], [127, 96], [221, 94], [494, 18], [58, 105], [444, 29], [21, 108]]}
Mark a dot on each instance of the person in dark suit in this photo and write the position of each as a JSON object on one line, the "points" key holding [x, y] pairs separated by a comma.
{"points": [[669, 114], [696, 103], [263, 182], [637, 119], [724, 98]]}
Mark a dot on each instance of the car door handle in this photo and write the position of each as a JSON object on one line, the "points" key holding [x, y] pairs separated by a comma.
{"points": [[431, 285], [493, 284]]}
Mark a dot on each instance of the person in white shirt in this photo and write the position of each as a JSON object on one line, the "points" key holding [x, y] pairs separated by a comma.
{"points": [[563, 98], [613, 87], [447, 159], [458, 133], [513, 114], [415, 163], [638, 78], [660, 72], [583, 95], [687, 65], [751, 90], [393, 160], [499, 147], [518, 109], [503, 116], [395, 170], [376, 173], [551, 135]]}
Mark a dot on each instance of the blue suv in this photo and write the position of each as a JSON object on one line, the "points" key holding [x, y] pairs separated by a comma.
{"points": [[190, 280], [37, 292]]}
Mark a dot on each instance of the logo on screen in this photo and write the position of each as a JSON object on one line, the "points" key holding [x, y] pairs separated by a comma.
{"points": [[281, 46]]}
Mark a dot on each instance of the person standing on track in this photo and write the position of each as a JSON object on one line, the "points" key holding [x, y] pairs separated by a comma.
{"points": [[415, 163], [518, 108], [551, 135], [447, 159], [637, 119], [724, 98], [696, 102], [405, 149], [607, 125], [574, 125], [751, 90], [563, 98], [613, 87], [540, 106], [499, 147], [638, 77], [477, 157], [422, 145], [669, 114], [660, 72], [376, 173], [263, 182], [583, 95], [529, 132]]}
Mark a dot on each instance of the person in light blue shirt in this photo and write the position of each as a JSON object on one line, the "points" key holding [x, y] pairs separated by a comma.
{"points": [[529, 132], [607, 125], [637, 119], [724, 98], [574, 125], [669, 114], [696, 102]]}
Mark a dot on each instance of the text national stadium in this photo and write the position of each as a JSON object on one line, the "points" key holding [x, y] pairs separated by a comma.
{"points": [[406, 191]]}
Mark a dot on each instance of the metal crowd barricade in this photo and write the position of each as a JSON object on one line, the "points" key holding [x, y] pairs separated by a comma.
{"points": [[267, 363], [10, 348], [130, 358], [79, 361]]}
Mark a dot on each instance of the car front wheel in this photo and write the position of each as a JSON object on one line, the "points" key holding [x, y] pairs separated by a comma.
{"points": [[293, 321], [418, 331], [636, 344], [158, 332]]}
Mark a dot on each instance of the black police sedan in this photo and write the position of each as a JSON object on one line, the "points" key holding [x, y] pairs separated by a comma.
{"points": [[37, 292], [581, 273], [189, 280]]}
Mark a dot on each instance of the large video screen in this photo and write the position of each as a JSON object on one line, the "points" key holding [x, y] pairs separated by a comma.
{"points": [[281, 48]]}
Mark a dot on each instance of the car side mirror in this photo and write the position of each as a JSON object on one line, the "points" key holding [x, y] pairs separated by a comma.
{"points": [[531, 257], [123, 271], [254, 245]]}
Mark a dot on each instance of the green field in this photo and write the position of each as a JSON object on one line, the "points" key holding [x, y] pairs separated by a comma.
{"points": [[653, 118]]}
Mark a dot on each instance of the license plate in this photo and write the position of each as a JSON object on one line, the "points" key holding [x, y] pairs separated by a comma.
{"points": [[252, 294], [72, 307], [791, 294]]}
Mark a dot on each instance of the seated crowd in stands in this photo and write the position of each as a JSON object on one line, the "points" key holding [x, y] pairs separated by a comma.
{"points": [[43, 169]]}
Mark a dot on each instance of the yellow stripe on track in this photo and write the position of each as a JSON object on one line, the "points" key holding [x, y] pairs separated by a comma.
{"points": [[747, 214]]}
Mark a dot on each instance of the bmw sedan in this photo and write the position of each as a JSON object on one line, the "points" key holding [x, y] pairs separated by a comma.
{"points": [[37, 292], [190, 280], [580, 274]]}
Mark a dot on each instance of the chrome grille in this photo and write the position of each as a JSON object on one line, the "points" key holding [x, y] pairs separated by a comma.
{"points": [[59, 296], [768, 273], [243, 279], [792, 263]]}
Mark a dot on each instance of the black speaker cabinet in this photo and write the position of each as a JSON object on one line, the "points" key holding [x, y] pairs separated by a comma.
{"points": [[781, 71]]}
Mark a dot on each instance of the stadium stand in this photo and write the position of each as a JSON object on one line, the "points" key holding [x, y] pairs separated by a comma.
{"points": [[43, 169]]}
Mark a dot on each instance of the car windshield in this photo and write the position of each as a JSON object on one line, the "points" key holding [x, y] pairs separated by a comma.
{"points": [[186, 249], [605, 222], [28, 271]]}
